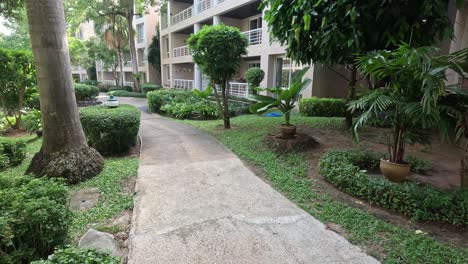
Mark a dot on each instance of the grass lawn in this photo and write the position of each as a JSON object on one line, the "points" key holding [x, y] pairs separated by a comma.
{"points": [[114, 199], [288, 174]]}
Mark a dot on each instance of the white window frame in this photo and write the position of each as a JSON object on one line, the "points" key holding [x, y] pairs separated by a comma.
{"points": [[258, 18]]}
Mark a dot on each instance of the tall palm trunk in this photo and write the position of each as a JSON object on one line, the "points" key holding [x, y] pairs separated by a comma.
{"points": [[64, 152], [119, 59], [352, 94], [133, 52]]}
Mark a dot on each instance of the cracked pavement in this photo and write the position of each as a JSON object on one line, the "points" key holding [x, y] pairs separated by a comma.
{"points": [[198, 203]]}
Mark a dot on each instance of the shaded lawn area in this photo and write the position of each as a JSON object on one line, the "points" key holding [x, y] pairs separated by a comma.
{"points": [[289, 174], [114, 198]]}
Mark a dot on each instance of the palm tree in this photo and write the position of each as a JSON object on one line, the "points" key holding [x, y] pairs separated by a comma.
{"points": [[64, 151], [116, 37]]}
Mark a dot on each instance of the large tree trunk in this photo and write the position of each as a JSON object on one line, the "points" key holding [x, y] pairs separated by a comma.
{"points": [[64, 152], [352, 94], [227, 120], [119, 59], [133, 52]]}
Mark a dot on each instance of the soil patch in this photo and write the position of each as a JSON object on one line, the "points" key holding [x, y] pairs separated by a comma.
{"points": [[301, 142]]}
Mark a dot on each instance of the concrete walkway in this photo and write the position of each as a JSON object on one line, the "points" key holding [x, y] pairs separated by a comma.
{"points": [[198, 203]]}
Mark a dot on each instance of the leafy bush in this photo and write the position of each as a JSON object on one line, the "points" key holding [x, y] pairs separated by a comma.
{"points": [[90, 82], [418, 165], [31, 99], [13, 150], [85, 92], [120, 88], [343, 168], [123, 93], [148, 87], [103, 89], [186, 110], [32, 121], [254, 76], [74, 255], [110, 130], [327, 107], [157, 99], [34, 217]]}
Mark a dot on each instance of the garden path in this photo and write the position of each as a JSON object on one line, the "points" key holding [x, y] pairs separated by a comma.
{"points": [[198, 203]]}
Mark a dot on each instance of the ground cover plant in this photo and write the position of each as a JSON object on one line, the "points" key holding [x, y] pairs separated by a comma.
{"points": [[124, 93], [288, 174]]}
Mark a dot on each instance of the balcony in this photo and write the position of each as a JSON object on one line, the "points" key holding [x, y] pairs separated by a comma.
{"points": [[128, 84], [181, 16], [203, 5], [142, 63], [128, 64], [181, 51], [182, 84], [108, 82], [239, 89], [254, 36]]}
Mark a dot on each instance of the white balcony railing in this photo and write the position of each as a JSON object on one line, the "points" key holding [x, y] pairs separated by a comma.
{"points": [[109, 82], [254, 36], [142, 63], [181, 16], [181, 51], [128, 84], [239, 89], [182, 84], [128, 64], [202, 5]]}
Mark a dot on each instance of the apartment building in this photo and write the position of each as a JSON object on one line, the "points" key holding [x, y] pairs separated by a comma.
{"points": [[184, 17], [145, 29]]}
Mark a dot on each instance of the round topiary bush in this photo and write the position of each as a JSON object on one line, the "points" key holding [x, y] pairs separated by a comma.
{"points": [[34, 217], [110, 130], [254, 77], [85, 92], [346, 169]]}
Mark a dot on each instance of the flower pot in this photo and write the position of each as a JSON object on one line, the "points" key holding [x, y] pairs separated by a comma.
{"points": [[395, 172], [288, 132]]}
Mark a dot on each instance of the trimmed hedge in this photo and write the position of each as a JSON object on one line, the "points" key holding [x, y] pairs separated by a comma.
{"points": [[344, 169], [85, 92], [74, 255], [148, 87], [326, 107], [120, 88], [34, 217], [123, 93], [12, 152], [90, 82], [157, 99], [110, 130], [186, 110]]}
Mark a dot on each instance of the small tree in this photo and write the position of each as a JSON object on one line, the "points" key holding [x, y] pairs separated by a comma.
{"points": [[154, 55], [218, 50], [254, 77]]}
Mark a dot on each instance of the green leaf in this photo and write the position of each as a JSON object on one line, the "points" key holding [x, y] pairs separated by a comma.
{"points": [[307, 19]]}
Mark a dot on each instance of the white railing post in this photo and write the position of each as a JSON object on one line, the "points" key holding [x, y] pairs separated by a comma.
{"points": [[182, 15], [239, 89], [254, 36], [183, 84], [181, 51]]}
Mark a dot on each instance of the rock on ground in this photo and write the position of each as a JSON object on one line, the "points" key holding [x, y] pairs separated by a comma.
{"points": [[100, 241]]}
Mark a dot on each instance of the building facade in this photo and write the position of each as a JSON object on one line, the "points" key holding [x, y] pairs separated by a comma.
{"points": [[183, 17], [145, 27]]}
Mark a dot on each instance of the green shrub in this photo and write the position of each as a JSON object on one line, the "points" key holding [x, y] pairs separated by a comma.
{"points": [[90, 82], [31, 99], [34, 217], [148, 87], [327, 107], [74, 255], [419, 165], [14, 150], [186, 110], [120, 88], [157, 99], [110, 130], [123, 93], [85, 92], [103, 89], [254, 76], [344, 169], [32, 121]]}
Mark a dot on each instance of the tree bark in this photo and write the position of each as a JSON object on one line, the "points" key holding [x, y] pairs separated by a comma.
{"points": [[119, 59], [226, 119], [352, 94], [464, 161], [64, 151], [133, 52]]}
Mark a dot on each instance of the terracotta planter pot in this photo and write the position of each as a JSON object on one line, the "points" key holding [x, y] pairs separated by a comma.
{"points": [[288, 132], [395, 172]]}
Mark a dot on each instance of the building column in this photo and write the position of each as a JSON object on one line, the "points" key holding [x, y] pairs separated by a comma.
{"points": [[168, 13], [197, 72], [216, 20]]}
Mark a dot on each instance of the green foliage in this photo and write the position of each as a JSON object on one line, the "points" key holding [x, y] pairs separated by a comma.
{"points": [[120, 88], [188, 109], [123, 93], [85, 92], [34, 217], [148, 87], [74, 255], [13, 152], [159, 98], [218, 51], [18, 38], [285, 99], [90, 82], [32, 121], [334, 32], [154, 51], [254, 77], [344, 169], [418, 165], [110, 130], [327, 107], [31, 99]]}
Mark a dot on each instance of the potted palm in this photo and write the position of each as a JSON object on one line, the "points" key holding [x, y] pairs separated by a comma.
{"points": [[413, 84], [284, 100]]}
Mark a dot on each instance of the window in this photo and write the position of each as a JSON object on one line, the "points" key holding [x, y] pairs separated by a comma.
{"points": [[284, 70], [255, 23], [140, 33], [168, 52], [254, 65]]}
